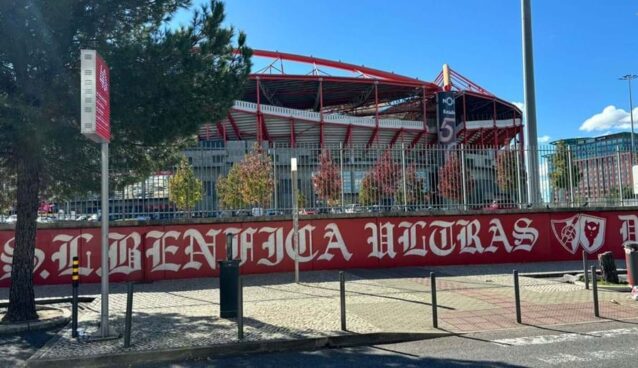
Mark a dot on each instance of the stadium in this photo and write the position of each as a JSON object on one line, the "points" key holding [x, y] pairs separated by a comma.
{"points": [[332, 102]]}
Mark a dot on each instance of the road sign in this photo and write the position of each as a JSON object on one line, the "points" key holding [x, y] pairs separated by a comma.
{"points": [[95, 102]]}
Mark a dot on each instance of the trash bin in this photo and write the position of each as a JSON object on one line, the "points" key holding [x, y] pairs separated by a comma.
{"points": [[228, 288], [631, 258]]}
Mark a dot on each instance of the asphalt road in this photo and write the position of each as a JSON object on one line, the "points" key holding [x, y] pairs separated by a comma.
{"points": [[16, 349], [606, 344]]}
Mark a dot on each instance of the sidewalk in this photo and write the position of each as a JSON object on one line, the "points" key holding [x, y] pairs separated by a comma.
{"points": [[184, 314]]}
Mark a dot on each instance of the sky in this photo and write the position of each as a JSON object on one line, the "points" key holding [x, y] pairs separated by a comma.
{"points": [[581, 48]]}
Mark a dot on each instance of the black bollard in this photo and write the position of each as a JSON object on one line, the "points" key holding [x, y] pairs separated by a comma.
{"points": [[435, 318], [517, 297], [75, 281], [594, 286], [586, 274], [342, 297], [240, 309], [128, 319]]}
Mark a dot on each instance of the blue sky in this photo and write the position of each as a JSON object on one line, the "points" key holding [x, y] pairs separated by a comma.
{"points": [[581, 47]]}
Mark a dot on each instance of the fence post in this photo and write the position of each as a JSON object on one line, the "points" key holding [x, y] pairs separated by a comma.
{"points": [[240, 309], [517, 297], [463, 178], [75, 282], [295, 215], [435, 318], [342, 298], [594, 286], [343, 204], [405, 186], [274, 171], [586, 274], [518, 178], [571, 176], [619, 176], [128, 319]]}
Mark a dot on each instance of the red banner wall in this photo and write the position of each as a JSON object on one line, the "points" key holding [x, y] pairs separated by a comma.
{"points": [[187, 251]]}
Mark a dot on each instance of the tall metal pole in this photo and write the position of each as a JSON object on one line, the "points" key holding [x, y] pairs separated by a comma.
{"points": [[295, 215], [533, 180], [104, 320], [629, 78]]}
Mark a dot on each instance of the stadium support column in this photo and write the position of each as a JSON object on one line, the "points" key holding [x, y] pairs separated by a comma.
{"points": [[259, 130], [321, 112], [533, 182], [494, 121]]}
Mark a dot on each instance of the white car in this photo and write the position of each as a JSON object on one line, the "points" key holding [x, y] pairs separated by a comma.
{"points": [[12, 219]]}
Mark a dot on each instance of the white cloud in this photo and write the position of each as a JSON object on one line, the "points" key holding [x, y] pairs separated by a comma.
{"points": [[544, 139], [610, 118], [520, 105]]}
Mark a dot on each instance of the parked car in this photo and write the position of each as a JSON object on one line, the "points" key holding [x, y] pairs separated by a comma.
{"points": [[353, 208]]}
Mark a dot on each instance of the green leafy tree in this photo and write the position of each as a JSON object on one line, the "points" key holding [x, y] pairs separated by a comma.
{"points": [[228, 194], [559, 175], [165, 83], [185, 189], [327, 181]]}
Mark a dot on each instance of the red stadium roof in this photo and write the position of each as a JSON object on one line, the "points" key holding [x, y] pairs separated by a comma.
{"points": [[364, 106]]}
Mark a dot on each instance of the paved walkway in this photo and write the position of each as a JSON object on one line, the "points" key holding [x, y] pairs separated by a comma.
{"points": [[185, 313]]}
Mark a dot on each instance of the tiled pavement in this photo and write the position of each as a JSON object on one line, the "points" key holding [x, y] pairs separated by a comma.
{"points": [[184, 313]]}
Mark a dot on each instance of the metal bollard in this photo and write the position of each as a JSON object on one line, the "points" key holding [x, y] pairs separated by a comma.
{"points": [[128, 319], [240, 309], [594, 286], [517, 297], [585, 270], [75, 282], [435, 318], [342, 296]]}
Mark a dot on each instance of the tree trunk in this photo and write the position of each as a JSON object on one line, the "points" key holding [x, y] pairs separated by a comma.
{"points": [[21, 295], [608, 267]]}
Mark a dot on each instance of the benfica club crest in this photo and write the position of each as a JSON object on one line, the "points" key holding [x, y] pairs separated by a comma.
{"points": [[586, 230]]}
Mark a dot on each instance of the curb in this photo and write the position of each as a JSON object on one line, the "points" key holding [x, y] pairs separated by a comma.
{"points": [[560, 273], [10, 329], [240, 348]]}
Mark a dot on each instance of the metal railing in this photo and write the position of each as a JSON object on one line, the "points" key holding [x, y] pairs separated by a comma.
{"points": [[361, 178]]}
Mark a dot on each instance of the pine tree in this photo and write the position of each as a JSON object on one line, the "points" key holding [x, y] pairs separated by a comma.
{"points": [[185, 190], [165, 83]]}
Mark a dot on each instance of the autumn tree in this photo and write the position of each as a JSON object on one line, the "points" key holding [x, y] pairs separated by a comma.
{"points": [[451, 179], [165, 82], [185, 189], [249, 182], [413, 187], [380, 182], [327, 181]]}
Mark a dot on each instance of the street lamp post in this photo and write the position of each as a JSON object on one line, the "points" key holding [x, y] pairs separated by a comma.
{"points": [[295, 215], [629, 78]]}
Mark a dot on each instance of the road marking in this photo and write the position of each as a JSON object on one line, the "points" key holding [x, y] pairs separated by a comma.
{"points": [[590, 356], [552, 339]]}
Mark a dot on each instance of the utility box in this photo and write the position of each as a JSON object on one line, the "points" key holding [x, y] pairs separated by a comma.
{"points": [[228, 288]]}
